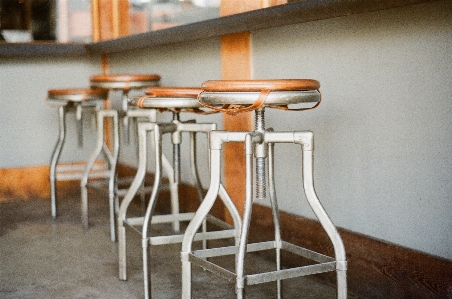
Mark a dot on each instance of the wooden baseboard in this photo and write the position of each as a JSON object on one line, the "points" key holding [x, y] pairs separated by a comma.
{"points": [[31, 183], [24, 183], [376, 269]]}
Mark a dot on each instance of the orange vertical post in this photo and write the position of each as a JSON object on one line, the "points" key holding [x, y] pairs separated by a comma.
{"points": [[236, 65], [111, 19]]}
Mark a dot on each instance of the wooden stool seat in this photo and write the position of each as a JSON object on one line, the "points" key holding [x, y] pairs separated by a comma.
{"points": [[124, 81], [169, 98], [259, 85], [235, 96], [77, 94]]}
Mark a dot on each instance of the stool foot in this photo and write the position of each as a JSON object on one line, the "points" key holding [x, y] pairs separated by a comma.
{"points": [[186, 278], [122, 251], [146, 267], [341, 284]]}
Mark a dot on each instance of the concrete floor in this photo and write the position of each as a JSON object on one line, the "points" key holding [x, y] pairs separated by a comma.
{"points": [[45, 258]]}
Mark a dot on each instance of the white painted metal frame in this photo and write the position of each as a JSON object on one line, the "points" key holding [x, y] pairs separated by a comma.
{"points": [[259, 146], [124, 114], [66, 104], [110, 173], [144, 223]]}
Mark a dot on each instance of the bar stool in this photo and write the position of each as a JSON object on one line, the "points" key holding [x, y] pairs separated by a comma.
{"points": [[124, 83], [234, 97], [67, 100], [176, 101]]}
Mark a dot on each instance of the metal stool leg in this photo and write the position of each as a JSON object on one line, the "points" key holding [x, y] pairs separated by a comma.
{"points": [[194, 167], [174, 185], [215, 189], [339, 249], [195, 174], [150, 212], [143, 129], [112, 161], [55, 157], [197, 221], [133, 189], [112, 195], [250, 140], [275, 211]]}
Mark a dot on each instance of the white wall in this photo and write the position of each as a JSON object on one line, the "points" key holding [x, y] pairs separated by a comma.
{"points": [[29, 127], [383, 133]]}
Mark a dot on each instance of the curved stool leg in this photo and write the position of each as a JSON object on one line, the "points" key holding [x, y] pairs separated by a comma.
{"points": [[133, 189], [223, 195], [197, 180], [55, 157], [326, 222], [250, 140], [215, 189], [143, 129], [112, 195], [197, 221], [112, 161], [89, 166], [150, 212], [275, 211], [151, 116]]}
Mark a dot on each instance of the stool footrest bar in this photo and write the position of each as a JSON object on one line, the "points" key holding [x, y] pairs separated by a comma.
{"points": [[172, 239], [171, 218], [218, 222], [160, 219], [290, 273], [220, 271], [230, 250], [306, 253], [325, 263]]}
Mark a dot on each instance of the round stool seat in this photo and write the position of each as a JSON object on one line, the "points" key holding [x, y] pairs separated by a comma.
{"points": [[124, 81], [247, 92], [77, 95], [169, 98]]}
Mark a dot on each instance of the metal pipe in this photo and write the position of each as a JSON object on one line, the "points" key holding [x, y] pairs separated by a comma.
{"points": [[261, 188], [55, 157]]}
